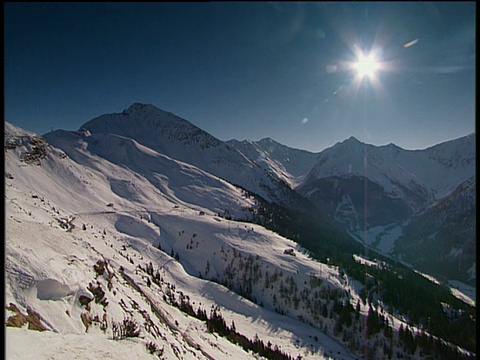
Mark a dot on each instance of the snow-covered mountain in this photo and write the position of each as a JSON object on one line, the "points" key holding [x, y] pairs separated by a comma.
{"points": [[375, 191], [120, 242], [419, 177], [179, 139]]}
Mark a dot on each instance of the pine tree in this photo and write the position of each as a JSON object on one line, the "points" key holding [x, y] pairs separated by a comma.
{"points": [[357, 310]]}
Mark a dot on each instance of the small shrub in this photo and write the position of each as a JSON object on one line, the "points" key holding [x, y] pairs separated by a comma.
{"points": [[99, 267], [151, 347], [127, 328], [154, 349]]}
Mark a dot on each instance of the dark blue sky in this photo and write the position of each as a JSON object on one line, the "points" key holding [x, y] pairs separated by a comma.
{"points": [[248, 70]]}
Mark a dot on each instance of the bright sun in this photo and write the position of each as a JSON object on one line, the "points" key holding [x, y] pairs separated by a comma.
{"points": [[366, 65]]}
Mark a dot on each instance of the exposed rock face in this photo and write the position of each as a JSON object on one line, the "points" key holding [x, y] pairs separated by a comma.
{"points": [[20, 319]]}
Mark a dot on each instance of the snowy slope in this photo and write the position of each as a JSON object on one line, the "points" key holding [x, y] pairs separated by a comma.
{"points": [[285, 163], [142, 168], [453, 163]]}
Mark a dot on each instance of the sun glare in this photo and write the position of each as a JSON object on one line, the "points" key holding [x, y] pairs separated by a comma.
{"points": [[366, 65], [363, 69]]}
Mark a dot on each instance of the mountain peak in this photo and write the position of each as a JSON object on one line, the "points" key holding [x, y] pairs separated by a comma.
{"points": [[140, 107], [137, 118], [267, 140], [352, 139], [351, 142]]}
